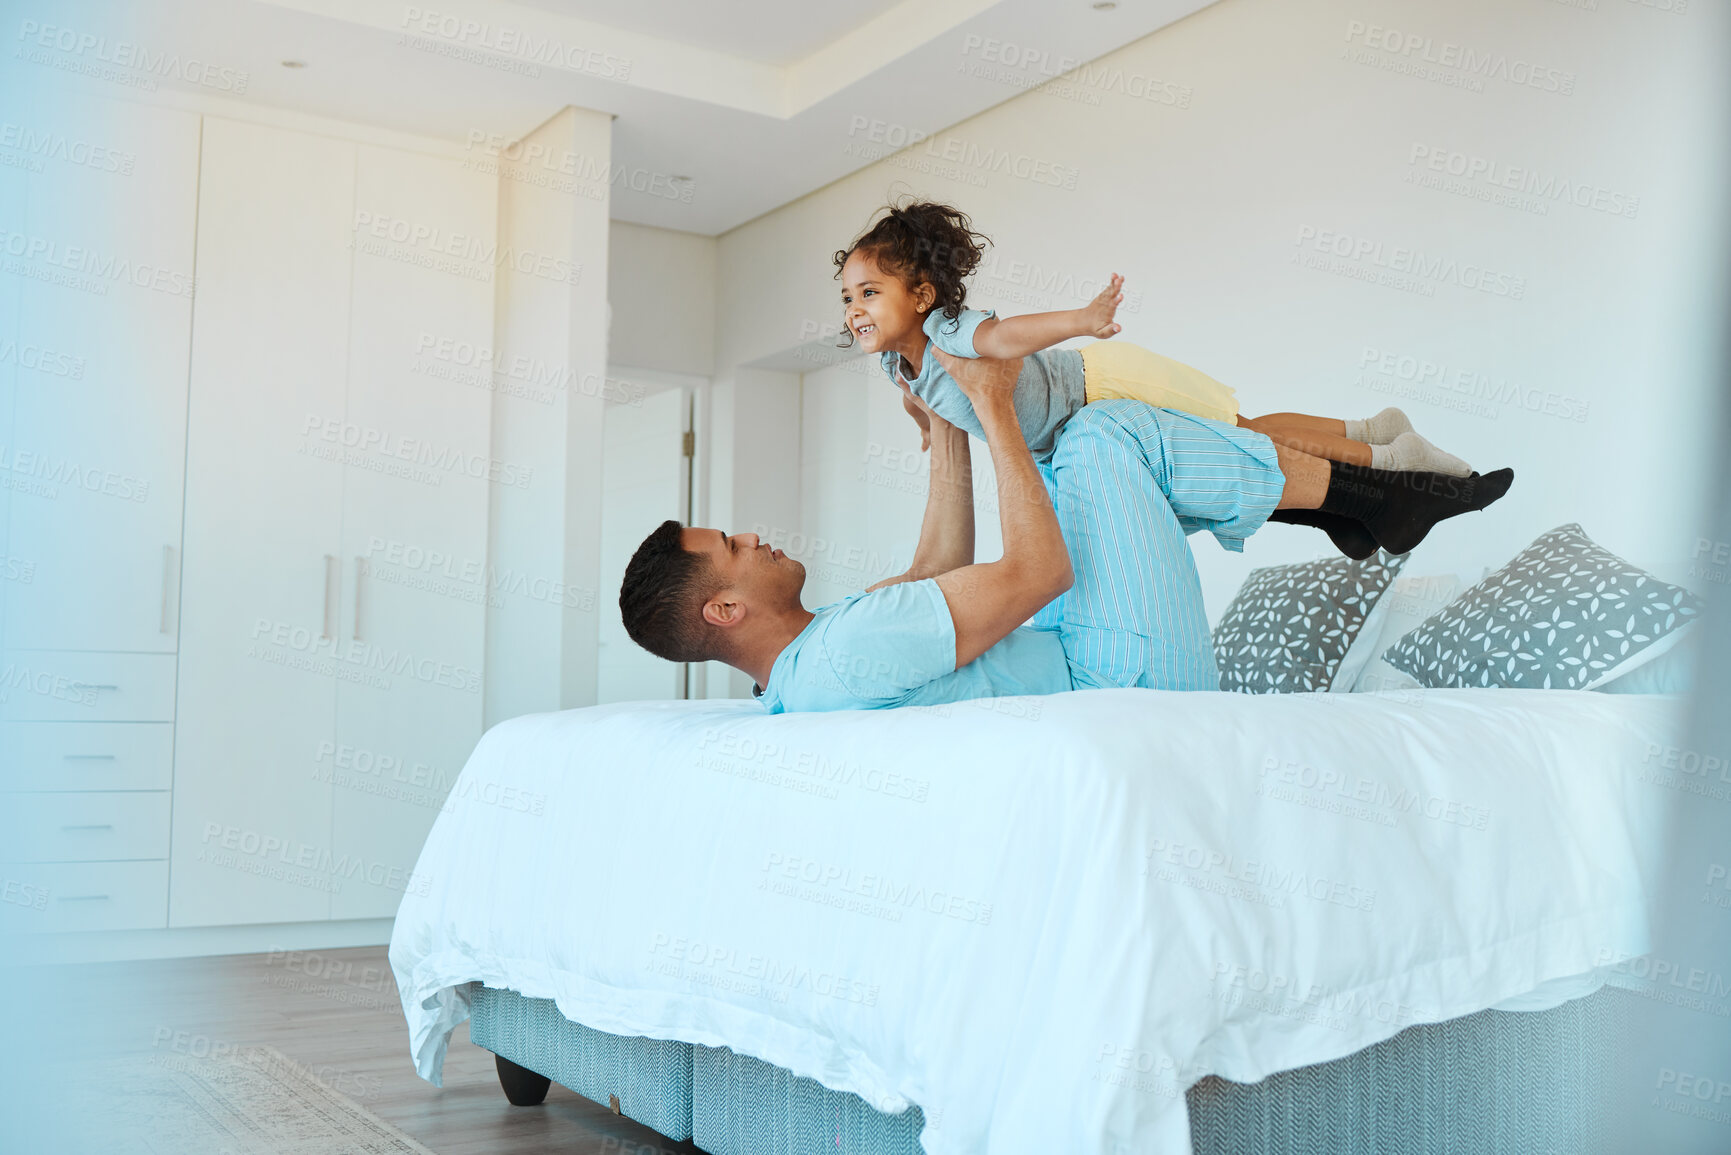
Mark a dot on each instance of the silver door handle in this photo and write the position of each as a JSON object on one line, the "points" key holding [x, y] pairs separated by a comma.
{"points": [[88, 757], [327, 626], [94, 686], [360, 572], [91, 826], [82, 898], [167, 580]]}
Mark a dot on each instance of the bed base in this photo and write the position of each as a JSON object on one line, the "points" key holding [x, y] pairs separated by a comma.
{"points": [[1496, 1083]]}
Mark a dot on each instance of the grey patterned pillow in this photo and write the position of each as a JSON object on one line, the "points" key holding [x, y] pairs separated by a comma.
{"points": [[1289, 625], [1565, 614]]}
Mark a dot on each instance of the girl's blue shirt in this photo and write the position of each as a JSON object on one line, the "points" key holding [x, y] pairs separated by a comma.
{"points": [[1048, 393]]}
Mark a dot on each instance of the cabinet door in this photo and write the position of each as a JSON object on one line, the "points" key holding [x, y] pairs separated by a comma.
{"points": [[14, 568], [99, 419], [260, 620], [414, 514]]}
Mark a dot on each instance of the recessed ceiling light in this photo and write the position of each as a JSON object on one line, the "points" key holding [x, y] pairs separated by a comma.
{"points": [[294, 64], [681, 179], [1105, 6]]}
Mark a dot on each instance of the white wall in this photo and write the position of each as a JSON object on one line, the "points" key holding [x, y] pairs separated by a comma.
{"points": [[760, 441], [661, 296], [1288, 139]]}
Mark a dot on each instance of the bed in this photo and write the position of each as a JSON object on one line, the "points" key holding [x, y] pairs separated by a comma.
{"points": [[1105, 921]]}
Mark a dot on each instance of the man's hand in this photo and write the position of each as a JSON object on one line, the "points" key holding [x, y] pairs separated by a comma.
{"points": [[1096, 316], [983, 380], [922, 415]]}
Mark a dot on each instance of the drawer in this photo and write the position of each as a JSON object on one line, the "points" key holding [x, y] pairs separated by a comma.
{"points": [[84, 827], [79, 686], [86, 755], [39, 899]]}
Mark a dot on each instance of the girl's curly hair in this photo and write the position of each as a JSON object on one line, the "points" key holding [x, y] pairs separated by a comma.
{"points": [[922, 242]]}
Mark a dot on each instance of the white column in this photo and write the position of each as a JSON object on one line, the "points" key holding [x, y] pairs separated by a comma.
{"points": [[550, 359]]}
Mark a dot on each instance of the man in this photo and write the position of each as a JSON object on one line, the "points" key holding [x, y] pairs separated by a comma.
{"points": [[1121, 606]]}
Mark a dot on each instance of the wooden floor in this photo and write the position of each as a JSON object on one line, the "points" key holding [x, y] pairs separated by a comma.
{"points": [[338, 1012]]}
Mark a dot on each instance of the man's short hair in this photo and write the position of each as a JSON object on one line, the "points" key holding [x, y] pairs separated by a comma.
{"points": [[661, 599]]}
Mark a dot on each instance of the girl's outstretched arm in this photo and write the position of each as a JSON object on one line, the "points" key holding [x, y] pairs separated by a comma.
{"points": [[1012, 337]]}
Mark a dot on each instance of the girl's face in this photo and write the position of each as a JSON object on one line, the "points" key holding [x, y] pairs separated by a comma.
{"points": [[883, 314]]}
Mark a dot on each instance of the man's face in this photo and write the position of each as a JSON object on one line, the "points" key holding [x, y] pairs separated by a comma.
{"points": [[755, 574]]}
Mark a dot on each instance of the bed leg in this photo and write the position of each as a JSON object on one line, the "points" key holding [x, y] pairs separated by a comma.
{"points": [[522, 1086]]}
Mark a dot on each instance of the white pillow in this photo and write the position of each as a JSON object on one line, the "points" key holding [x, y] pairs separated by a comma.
{"points": [[1411, 601], [1668, 667]]}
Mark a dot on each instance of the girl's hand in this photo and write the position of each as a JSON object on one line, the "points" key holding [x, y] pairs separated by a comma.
{"points": [[1097, 314], [922, 416]]}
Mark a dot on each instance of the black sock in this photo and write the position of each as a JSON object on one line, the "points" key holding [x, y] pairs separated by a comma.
{"points": [[1400, 507], [1349, 536]]}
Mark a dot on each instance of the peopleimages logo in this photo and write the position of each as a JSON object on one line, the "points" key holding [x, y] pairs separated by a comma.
{"points": [[42, 475], [85, 262], [1472, 62], [1037, 67], [517, 43], [282, 643], [50, 361], [447, 459], [1466, 385], [1367, 258], [40, 144], [482, 252], [88, 46], [531, 162], [318, 862], [1427, 161]]}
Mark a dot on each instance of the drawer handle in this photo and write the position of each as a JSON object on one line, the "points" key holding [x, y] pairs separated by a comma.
{"points": [[360, 572], [82, 898], [91, 826], [94, 686], [88, 757], [333, 576]]}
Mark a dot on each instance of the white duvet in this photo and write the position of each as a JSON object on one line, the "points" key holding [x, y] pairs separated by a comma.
{"points": [[1041, 919]]}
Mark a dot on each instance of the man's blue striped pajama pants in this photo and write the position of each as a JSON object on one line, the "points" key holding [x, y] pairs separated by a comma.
{"points": [[1129, 481]]}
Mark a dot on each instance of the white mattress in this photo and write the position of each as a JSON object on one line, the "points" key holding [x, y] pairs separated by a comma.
{"points": [[1041, 919]]}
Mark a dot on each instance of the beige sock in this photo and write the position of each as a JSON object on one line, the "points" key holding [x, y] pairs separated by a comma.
{"points": [[1410, 451], [1379, 430]]}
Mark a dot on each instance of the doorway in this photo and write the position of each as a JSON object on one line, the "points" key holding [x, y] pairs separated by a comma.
{"points": [[647, 447]]}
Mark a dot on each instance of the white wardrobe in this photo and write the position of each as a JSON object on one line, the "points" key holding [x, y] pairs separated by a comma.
{"points": [[243, 589], [98, 206], [324, 711]]}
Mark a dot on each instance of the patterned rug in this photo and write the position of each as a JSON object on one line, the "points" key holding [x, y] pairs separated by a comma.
{"points": [[248, 1101]]}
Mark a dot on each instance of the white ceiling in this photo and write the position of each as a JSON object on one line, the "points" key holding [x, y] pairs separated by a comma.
{"points": [[752, 99], [776, 32]]}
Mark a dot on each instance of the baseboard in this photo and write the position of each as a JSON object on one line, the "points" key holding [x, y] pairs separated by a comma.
{"points": [[187, 942]]}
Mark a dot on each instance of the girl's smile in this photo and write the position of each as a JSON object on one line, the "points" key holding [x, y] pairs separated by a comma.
{"points": [[881, 312]]}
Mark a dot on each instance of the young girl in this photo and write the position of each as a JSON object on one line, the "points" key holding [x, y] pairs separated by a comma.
{"points": [[902, 288]]}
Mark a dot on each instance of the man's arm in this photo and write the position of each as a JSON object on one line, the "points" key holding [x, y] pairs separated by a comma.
{"points": [[1011, 337], [987, 601], [947, 533]]}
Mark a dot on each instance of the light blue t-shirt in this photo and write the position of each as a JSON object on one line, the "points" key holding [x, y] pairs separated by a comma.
{"points": [[1048, 393], [897, 647]]}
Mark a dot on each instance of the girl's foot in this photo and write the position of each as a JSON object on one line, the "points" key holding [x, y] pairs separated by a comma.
{"points": [[1378, 430], [1410, 451]]}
